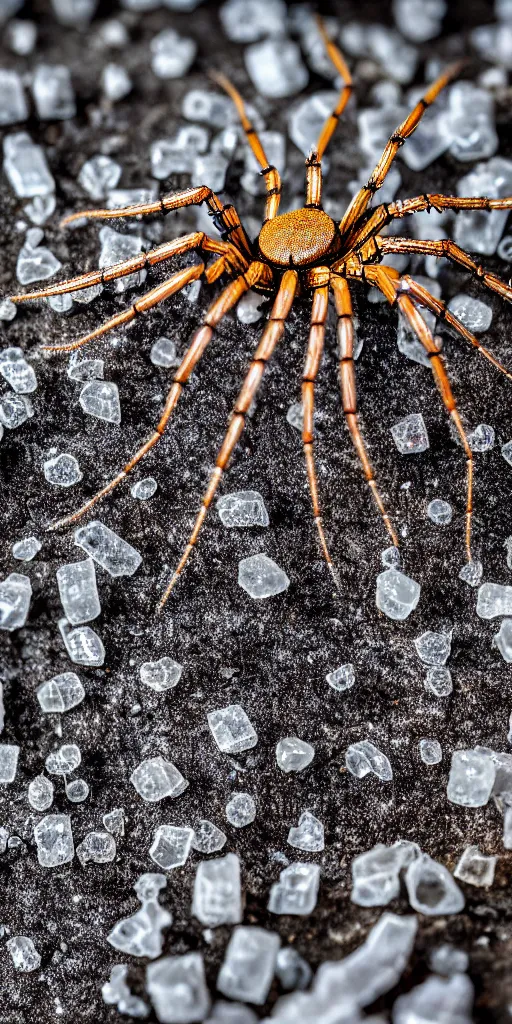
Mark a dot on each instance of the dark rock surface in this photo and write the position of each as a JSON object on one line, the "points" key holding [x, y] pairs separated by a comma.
{"points": [[278, 651]]}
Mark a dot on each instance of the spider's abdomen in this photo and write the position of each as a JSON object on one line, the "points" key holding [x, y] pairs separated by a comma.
{"points": [[298, 238]]}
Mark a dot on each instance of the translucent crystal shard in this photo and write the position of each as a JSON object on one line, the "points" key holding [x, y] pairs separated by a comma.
{"points": [[144, 489], [494, 599], [308, 835], [249, 965], [7, 310], [155, 778], [141, 934], [410, 434], [101, 399], [17, 372], [35, 262], [109, 550], [232, 730], [364, 757], [482, 438], [244, 508], [292, 970], [419, 20], [116, 247], [433, 648], [61, 693], [78, 591], [14, 410], [161, 675], [98, 175], [342, 678], [492, 178], [447, 960], [62, 470], [64, 760], [231, 1013], [217, 896], [25, 550], [9, 754], [472, 776], [83, 645], [376, 874], [397, 594], [439, 681], [177, 989], [163, 353], [15, 594], [207, 837], [98, 847], [76, 791], [275, 68], [114, 821], [115, 82], [22, 36], [261, 577], [54, 840], [503, 640], [475, 868], [431, 889], [446, 1000], [23, 953], [116, 992], [439, 511], [40, 793], [430, 751], [295, 415], [296, 892], [293, 755], [171, 846], [53, 92], [241, 810], [40, 208], [25, 167], [85, 369]]}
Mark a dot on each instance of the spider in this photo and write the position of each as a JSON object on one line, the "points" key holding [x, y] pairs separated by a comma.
{"points": [[297, 253]]}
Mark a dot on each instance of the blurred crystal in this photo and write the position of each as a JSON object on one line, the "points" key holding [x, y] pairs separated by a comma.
{"points": [[155, 778], [177, 989], [114, 821], [40, 208], [443, 1000], [144, 489], [98, 175], [274, 144], [217, 893], [397, 58], [207, 837], [116, 992], [275, 68], [25, 550], [241, 810], [439, 511], [342, 678], [261, 577], [504, 249], [474, 314], [61, 693], [308, 835], [364, 757], [77, 790], [78, 591], [249, 964], [471, 779], [471, 122], [246, 21], [292, 970], [419, 20], [108, 549], [494, 599], [40, 793], [231, 729], [21, 36], [475, 868], [249, 310], [14, 411], [433, 648], [53, 92], [471, 573], [15, 594], [293, 755], [376, 874], [479, 230], [13, 105], [9, 754], [123, 246], [7, 310], [296, 892], [75, 13], [172, 54], [54, 840], [35, 261], [507, 828], [295, 416], [231, 1013], [161, 675], [410, 434], [431, 889], [61, 304], [98, 847], [171, 846], [397, 594], [206, 106], [101, 399], [25, 166], [212, 167], [23, 953], [447, 961], [243, 508], [83, 645], [503, 640], [116, 247], [62, 470], [64, 760], [115, 82], [306, 120], [141, 934], [177, 155]]}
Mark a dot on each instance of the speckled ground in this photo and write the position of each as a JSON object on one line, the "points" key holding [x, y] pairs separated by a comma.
{"points": [[278, 651]]}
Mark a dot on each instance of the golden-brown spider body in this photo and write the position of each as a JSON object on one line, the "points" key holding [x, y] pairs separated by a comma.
{"points": [[301, 251]]}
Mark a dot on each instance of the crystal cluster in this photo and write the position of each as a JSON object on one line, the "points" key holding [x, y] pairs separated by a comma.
{"points": [[141, 934]]}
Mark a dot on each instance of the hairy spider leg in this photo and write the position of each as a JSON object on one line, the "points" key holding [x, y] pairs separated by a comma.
{"points": [[362, 199], [345, 338], [272, 334], [268, 171], [451, 251], [346, 90], [424, 335], [226, 300], [313, 359]]}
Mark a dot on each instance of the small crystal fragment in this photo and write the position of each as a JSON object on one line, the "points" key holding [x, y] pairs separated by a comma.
{"points": [[15, 594], [61, 693], [293, 755], [363, 757], [447, 961], [114, 821], [376, 874], [231, 729], [475, 868], [24, 954], [7, 310], [231, 1013], [17, 372], [206, 106], [161, 675], [172, 54], [40, 208], [275, 68], [471, 780], [86, 369], [471, 573], [99, 175], [25, 550], [177, 989], [503, 640], [431, 889], [241, 810], [397, 594], [115, 82], [155, 778], [83, 645], [295, 416], [108, 549], [492, 178], [163, 353], [390, 558], [53, 92], [494, 599], [9, 754], [76, 791], [25, 166], [141, 934], [54, 840], [439, 511], [22, 36], [474, 314], [40, 793], [249, 964], [217, 892], [433, 648], [261, 577], [249, 310], [410, 434], [62, 470], [245, 508], [78, 591], [144, 489], [101, 399], [13, 105], [64, 760], [292, 970], [481, 439], [507, 828], [98, 847], [207, 837], [342, 678], [308, 835], [171, 846], [439, 681], [296, 892], [14, 410], [430, 751]]}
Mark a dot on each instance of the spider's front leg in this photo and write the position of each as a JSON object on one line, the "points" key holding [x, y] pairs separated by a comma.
{"points": [[451, 251]]}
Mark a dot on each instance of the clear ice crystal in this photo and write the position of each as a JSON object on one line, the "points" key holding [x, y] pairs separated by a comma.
{"points": [[144, 489], [25, 550], [476, 229], [116, 247], [62, 470], [376, 874], [177, 989], [293, 754], [163, 353], [443, 1000], [54, 840], [23, 953], [471, 573], [17, 372], [241, 810], [471, 122], [114, 821], [275, 68], [115, 82], [342, 678], [391, 558], [308, 835], [474, 314], [217, 896], [261, 577], [14, 411], [13, 105], [306, 120], [439, 511], [295, 416], [108, 549], [410, 434], [209, 107], [161, 675], [98, 847], [503, 640], [246, 21], [15, 594], [35, 262], [397, 594], [171, 846], [9, 754], [78, 591], [76, 791], [231, 729], [475, 868], [101, 399], [99, 175], [249, 964], [64, 760], [207, 837], [364, 757], [419, 20], [447, 960], [61, 693], [296, 892], [431, 889], [40, 793], [83, 645], [243, 508], [493, 600], [433, 648], [471, 780], [25, 167], [155, 778], [53, 92], [141, 934], [430, 751], [481, 439], [172, 54]]}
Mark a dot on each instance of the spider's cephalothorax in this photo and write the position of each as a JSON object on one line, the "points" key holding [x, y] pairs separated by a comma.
{"points": [[301, 251]]}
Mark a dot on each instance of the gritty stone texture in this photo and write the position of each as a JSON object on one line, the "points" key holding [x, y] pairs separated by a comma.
{"points": [[280, 679]]}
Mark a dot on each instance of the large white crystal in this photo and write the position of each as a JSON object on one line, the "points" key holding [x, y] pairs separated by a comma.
{"points": [[296, 892], [431, 889], [24, 954], [141, 934], [9, 753], [25, 167], [293, 755], [308, 835], [78, 591], [17, 372], [177, 989], [156, 778], [61, 693], [171, 846], [161, 675], [397, 594], [261, 577], [275, 68], [217, 892], [53, 92], [54, 840], [364, 757], [100, 398], [472, 777], [231, 729], [249, 964], [243, 508]]}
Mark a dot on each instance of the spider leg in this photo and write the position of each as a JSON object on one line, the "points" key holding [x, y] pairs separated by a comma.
{"points": [[452, 251], [272, 333], [424, 335], [269, 172], [346, 90], [345, 335], [363, 198], [226, 300]]}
